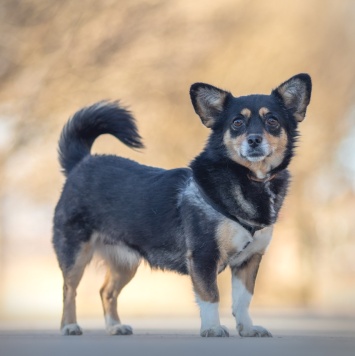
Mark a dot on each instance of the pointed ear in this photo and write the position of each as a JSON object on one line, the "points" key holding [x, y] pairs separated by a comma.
{"points": [[295, 94], [208, 102]]}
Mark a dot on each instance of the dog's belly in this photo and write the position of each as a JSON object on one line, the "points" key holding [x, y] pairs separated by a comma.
{"points": [[121, 255], [118, 255], [236, 245]]}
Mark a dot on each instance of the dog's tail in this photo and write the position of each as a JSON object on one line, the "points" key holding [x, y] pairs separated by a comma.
{"points": [[87, 124]]}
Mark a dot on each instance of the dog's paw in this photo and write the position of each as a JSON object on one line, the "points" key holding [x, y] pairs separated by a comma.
{"points": [[119, 329], [254, 331], [216, 331], [71, 329]]}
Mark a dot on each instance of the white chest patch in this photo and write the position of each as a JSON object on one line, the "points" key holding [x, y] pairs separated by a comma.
{"points": [[272, 197], [192, 194]]}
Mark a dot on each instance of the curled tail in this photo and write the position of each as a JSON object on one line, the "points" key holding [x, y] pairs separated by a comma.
{"points": [[87, 124]]}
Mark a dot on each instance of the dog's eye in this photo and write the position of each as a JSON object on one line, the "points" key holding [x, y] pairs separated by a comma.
{"points": [[237, 123], [272, 121]]}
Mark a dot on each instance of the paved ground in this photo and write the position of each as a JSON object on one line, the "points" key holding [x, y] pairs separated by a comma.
{"points": [[293, 335]]}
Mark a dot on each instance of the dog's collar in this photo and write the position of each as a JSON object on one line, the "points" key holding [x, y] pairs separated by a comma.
{"points": [[252, 229], [261, 180]]}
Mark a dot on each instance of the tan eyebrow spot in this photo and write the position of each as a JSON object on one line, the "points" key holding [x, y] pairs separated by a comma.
{"points": [[246, 113], [263, 111]]}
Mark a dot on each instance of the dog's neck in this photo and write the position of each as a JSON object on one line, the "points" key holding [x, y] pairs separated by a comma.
{"points": [[266, 179], [233, 187]]}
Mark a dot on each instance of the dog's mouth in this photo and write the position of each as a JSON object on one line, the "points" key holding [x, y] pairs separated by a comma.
{"points": [[256, 155], [246, 153]]}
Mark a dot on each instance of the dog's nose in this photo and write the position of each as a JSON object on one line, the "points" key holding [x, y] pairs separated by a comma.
{"points": [[254, 140]]}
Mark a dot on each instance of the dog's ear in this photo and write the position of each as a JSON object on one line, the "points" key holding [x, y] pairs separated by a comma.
{"points": [[208, 102], [295, 94]]}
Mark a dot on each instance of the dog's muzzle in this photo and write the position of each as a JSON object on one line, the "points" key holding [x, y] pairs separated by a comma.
{"points": [[255, 148]]}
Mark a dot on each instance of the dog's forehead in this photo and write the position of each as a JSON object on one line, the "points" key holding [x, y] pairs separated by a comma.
{"points": [[252, 104]]}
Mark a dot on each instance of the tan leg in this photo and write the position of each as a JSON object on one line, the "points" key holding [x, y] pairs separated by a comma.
{"points": [[116, 279], [72, 279], [243, 282]]}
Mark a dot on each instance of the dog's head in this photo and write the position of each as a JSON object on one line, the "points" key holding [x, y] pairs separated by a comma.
{"points": [[256, 131]]}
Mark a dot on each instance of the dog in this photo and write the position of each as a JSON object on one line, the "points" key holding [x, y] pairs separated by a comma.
{"points": [[218, 212]]}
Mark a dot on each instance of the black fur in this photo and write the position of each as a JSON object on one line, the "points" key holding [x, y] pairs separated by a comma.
{"points": [[140, 205], [165, 215], [81, 131]]}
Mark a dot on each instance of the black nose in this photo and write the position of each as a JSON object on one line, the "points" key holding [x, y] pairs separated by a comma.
{"points": [[254, 140]]}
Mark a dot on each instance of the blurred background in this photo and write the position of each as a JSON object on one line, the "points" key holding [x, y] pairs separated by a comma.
{"points": [[57, 56]]}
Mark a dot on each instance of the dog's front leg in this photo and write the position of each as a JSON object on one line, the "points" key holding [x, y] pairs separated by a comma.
{"points": [[243, 282], [204, 280]]}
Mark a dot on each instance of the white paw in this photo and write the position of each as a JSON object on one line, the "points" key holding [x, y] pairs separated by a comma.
{"points": [[119, 329], [71, 329], [254, 331], [216, 331]]}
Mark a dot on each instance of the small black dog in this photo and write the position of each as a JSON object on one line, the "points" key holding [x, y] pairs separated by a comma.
{"points": [[195, 220]]}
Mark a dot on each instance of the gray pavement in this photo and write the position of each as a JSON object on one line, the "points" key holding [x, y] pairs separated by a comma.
{"points": [[293, 335]]}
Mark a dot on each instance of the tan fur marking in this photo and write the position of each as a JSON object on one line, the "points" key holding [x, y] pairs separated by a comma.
{"points": [[231, 239], [206, 293], [247, 274], [224, 238], [263, 111], [71, 281], [233, 147], [115, 281], [260, 169], [278, 145], [246, 113]]}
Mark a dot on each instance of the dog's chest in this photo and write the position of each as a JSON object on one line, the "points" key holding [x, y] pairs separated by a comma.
{"points": [[258, 204]]}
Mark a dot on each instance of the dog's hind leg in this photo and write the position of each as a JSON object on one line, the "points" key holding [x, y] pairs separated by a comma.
{"points": [[243, 282], [117, 276], [72, 276]]}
